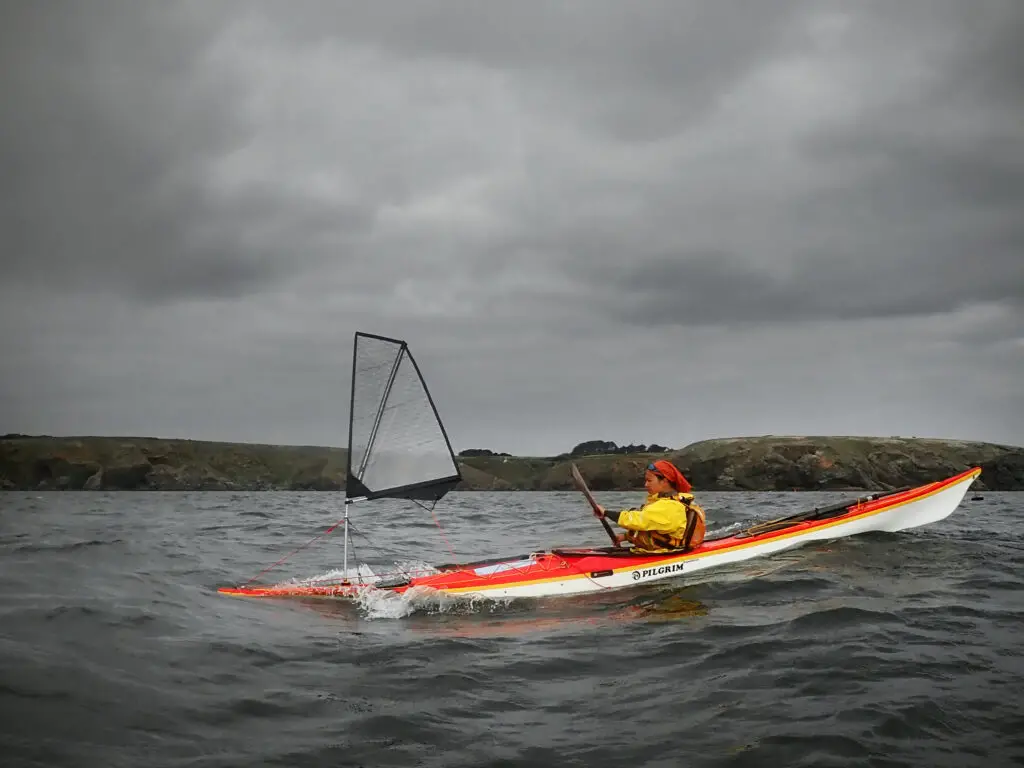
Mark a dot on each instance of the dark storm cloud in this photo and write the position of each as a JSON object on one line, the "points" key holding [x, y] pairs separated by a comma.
{"points": [[112, 126], [637, 71], [201, 201], [138, 162], [913, 204], [717, 289]]}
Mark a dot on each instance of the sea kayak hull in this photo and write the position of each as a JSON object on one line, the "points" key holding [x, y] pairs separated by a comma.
{"points": [[578, 571]]}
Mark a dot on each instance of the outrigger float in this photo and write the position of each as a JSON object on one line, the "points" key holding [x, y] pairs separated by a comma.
{"points": [[385, 444]]}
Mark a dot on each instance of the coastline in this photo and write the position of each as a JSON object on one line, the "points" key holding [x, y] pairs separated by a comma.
{"points": [[756, 463]]}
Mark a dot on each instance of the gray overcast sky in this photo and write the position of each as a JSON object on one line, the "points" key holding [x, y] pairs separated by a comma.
{"points": [[639, 222]]}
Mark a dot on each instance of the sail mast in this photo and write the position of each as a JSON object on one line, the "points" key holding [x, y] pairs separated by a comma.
{"points": [[397, 445], [373, 435], [348, 453]]}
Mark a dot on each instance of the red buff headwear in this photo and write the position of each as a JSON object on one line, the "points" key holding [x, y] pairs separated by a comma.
{"points": [[669, 471]]}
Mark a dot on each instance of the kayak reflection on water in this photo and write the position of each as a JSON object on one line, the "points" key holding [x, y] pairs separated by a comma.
{"points": [[469, 618]]}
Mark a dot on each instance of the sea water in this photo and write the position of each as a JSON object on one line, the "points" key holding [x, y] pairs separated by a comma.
{"points": [[116, 649]]}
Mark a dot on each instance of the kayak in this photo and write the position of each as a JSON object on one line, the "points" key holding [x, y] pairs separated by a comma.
{"points": [[581, 570], [398, 448]]}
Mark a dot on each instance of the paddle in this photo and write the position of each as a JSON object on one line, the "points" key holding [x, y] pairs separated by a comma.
{"points": [[823, 513], [582, 486]]}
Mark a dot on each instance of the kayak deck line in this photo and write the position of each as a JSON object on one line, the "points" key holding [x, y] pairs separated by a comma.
{"points": [[578, 570]]}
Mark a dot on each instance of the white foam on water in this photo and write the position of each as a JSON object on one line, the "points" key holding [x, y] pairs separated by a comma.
{"points": [[725, 530], [389, 605], [384, 604]]}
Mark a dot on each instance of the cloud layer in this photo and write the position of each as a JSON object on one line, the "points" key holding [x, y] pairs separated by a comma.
{"points": [[656, 223]]}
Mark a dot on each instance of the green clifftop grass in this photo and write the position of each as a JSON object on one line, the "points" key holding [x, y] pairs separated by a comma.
{"points": [[741, 463]]}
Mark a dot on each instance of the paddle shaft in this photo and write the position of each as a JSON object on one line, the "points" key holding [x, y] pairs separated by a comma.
{"points": [[582, 486], [820, 514]]}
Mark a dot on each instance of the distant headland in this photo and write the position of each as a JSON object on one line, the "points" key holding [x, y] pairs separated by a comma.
{"points": [[759, 463]]}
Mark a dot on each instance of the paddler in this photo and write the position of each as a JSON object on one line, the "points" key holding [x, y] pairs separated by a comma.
{"points": [[670, 519]]}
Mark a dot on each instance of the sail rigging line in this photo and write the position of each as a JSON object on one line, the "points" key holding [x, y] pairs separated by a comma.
{"points": [[585, 574], [433, 407], [380, 412], [380, 552], [295, 551], [430, 509], [311, 541]]}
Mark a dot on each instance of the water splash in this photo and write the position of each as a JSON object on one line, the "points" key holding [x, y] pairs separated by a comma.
{"points": [[384, 604]]}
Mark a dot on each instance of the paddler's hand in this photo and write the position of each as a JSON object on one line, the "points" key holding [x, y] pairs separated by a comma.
{"points": [[599, 512]]}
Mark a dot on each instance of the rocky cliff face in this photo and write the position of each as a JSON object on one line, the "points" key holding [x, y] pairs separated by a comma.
{"points": [[839, 463], [101, 463], [783, 463], [749, 463]]}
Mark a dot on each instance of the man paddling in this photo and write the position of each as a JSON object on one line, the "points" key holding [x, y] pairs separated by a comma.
{"points": [[670, 519]]}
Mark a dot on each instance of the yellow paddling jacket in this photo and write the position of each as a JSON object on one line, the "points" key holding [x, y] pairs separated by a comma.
{"points": [[662, 523]]}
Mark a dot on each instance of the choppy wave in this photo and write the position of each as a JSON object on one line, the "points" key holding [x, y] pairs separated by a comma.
{"points": [[115, 648], [67, 546]]}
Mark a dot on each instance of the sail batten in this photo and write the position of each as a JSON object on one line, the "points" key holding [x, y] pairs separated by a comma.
{"points": [[398, 446]]}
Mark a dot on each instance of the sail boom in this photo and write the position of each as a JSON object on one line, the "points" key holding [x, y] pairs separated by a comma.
{"points": [[429, 491]]}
